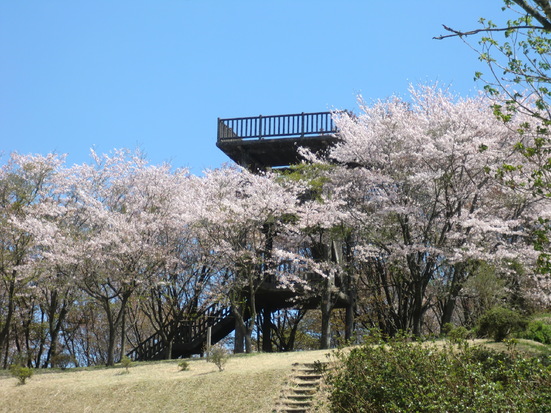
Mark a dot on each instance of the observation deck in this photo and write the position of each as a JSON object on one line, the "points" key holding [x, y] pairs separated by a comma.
{"points": [[262, 142]]}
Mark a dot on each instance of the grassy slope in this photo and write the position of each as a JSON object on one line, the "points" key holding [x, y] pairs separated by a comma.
{"points": [[249, 383]]}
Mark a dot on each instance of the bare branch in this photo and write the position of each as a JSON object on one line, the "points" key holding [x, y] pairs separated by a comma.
{"points": [[457, 33]]}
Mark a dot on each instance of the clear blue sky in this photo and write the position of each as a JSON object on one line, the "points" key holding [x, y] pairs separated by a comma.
{"points": [[157, 74]]}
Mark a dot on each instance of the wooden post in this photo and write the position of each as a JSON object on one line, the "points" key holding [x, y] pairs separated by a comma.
{"points": [[209, 341], [260, 127], [267, 330]]}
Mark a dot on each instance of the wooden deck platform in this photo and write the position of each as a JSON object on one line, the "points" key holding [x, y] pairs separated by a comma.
{"points": [[262, 142]]}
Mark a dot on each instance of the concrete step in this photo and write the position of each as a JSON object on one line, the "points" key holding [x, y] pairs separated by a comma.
{"points": [[300, 397], [305, 384], [304, 399], [302, 386], [303, 405], [307, 391], [308, 377]]}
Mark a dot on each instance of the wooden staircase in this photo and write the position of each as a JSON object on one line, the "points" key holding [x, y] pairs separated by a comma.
{"points": [[300, 392], [191, 334], [190, 337]]}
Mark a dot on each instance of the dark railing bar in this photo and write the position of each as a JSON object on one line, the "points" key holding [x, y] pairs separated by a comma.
{"points": [[299, 124], [151, 346]]}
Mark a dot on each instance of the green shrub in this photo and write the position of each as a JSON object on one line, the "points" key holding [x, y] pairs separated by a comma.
{"points": [[126, 362], [499, 322], [456, 334], [184, 365], [21, 373], [219, 356], [404, 376], [538, 331], [319, 367]]}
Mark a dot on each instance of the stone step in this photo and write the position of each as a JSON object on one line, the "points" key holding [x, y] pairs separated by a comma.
{"points": [[308, 377], [305, 384], [307, 372], [304, 404], [300, 397], [307, 391], [301, 388], [314, 366]]}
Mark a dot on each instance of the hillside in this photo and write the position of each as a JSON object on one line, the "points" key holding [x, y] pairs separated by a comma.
{"points": [[249, 383]]}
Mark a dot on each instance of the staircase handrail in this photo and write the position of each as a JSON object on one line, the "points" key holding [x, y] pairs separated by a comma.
{"points": [[196, 327]]}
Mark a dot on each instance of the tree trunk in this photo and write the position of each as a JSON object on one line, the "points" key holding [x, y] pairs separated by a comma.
{"points": [[250, 327], [326, 308], [123, 333], [351, 290], [5, 332], [168, 351], [113, 324], [248, 343], [459, 275], [111, 346], [112, 330], [238, 344], [447, 312], [349, 320], [54, 326], [417, 311]]}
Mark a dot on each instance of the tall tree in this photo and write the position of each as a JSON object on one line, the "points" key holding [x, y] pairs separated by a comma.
{"points": [[421, 193], [126, 206], [240, 217], [517, 54], [323, 230], [26, 182]]}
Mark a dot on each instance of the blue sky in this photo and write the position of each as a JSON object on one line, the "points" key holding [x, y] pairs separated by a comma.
{"points": [[101, 74]]}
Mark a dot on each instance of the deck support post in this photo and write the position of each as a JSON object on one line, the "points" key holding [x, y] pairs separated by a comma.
{"points": [[267, 330], [208, 344]]}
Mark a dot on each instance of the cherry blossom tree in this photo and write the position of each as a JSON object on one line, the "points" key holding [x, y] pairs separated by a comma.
{"points": [[240, 217], [517, 56], [26, 184], [57, 292], [125, 206], [178, 291], [322, 234], [421, 193]]}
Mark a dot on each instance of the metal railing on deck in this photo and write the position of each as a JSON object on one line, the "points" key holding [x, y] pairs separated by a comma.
{"points": [[259, 127]]}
